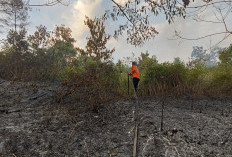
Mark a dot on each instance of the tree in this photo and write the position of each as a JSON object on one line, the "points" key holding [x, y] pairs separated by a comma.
{"points": [[52, 48], [40, 38], [140, 13], [58, 44], [62, 33], [225, 56], [198, 52], [200, 55], [214, 56], [16, 11], [96, 44], [62, 44], [144, 61], [17, 40], [177, 60]]}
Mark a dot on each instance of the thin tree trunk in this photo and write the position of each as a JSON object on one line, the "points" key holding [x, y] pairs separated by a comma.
{"points": [[15, 20]]}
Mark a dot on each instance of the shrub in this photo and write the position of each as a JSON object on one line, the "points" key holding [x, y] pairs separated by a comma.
{"points": [[164, 77], [195, 79], [94, 81], [221, 82]]}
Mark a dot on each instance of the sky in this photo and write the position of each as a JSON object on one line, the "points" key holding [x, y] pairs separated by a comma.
{"points": [[163, 46]]}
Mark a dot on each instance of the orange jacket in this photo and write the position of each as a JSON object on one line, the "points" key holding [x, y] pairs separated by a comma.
{"points": [[134, 71]]}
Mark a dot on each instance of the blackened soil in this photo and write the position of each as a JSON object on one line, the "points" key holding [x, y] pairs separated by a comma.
{"points": [[32, 124]]}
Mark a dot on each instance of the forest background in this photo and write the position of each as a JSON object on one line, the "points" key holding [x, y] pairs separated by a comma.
{"points": [[52, 55]]}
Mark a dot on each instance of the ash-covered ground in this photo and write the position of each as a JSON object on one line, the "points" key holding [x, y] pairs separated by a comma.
{"points": [[32, 124]]}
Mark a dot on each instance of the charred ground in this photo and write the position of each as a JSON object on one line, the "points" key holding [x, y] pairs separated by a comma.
{"points": [[33, 124]]}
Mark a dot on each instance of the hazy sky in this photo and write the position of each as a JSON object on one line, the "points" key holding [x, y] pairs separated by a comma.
{"points": [[162, 46]]}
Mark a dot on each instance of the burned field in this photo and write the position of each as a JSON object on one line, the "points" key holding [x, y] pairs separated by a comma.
{"points": [[32, 124]]}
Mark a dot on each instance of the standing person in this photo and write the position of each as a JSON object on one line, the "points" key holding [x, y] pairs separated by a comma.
{"points": [[135, 75]]}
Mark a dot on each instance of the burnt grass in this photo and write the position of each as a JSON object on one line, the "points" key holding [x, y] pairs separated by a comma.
{"points": [[33, 124]]}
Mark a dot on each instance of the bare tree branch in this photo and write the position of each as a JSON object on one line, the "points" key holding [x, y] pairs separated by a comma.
{"points": [[210, 3], [202, 37], [223, 19], [225, 37], [228, 12], [220, 10], [198, 19]]}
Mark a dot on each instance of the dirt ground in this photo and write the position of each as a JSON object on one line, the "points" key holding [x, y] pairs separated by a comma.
{"points": [[32, 124]]}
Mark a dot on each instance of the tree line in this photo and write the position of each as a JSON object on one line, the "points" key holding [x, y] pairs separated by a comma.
{"points": [[51, 56]]}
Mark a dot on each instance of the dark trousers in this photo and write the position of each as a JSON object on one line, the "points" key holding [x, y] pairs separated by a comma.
{"points": [[135, 82]]}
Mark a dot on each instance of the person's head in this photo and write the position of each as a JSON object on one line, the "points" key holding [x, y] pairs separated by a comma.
{"points": [[134, 63]]}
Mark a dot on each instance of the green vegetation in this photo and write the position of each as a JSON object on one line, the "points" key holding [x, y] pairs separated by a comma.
{"points": [[49, 56]]}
